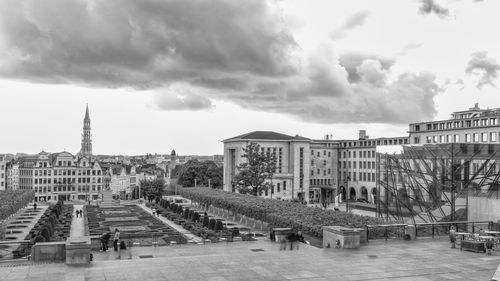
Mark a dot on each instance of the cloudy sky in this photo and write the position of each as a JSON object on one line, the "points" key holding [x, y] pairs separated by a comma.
{"points": [[175, 74]]}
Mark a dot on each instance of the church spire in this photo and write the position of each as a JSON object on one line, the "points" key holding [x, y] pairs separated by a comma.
{"points": [[86, 149], [87, 117]]}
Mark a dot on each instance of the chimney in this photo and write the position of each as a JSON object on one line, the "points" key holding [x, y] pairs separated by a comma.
{"points": [[362, 134]]}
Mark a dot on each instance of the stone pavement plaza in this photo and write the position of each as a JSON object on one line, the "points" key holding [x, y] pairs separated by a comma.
{"points": [[424, 259]]}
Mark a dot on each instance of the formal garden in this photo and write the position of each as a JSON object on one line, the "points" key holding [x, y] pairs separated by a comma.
{"points": [[134, 224], [201, 224]]}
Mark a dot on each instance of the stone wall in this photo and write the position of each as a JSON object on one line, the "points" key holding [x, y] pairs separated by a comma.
{"points": [[348, 238], [48, 251]]}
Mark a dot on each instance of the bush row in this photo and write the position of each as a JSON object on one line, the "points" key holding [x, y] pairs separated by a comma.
{"points": [[276, 212], [13, 200]]}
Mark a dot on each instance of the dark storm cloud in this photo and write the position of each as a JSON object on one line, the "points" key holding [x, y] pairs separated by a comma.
{"points": [[353, 21], [351, 60], [142, 44], [194, 52], [430, 6], [486, 67]]}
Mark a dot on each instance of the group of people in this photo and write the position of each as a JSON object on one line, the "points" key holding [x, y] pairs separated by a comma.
{"points": [[105, 240], [292, 239], [79, 213], [156, 212], [489, 244]]}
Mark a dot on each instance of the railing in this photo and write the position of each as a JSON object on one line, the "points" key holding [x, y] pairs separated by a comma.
{"points": [[392, 231]]}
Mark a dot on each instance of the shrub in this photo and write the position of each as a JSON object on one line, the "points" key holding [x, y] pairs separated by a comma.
{"points": [[218, 225], [205, 221], [211, 224]]}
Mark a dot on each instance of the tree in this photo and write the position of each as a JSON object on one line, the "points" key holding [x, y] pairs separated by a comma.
{"points": [[152, 188], [199, 173], [255, 172]]}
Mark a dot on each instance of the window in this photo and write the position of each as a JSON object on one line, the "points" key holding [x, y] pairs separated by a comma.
{"points": [[493, 121], [448, 138], [324, 162], [373, 154], [324, 152], [428, 139], [278, 187], [484, 137], [435, 139], [467, 138], [329, 154], [312, 152], [441, 139], [284, 185], [312, 162], [493, 137], [354, 154], [456, 138], [416, 140], [417, 128], [354, 164], [476, 137], [329, 171], [324, 172]]}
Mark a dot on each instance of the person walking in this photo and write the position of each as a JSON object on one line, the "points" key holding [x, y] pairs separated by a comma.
{"points": [[104, 241], [453, 236], [34, 206], [115, 239]]}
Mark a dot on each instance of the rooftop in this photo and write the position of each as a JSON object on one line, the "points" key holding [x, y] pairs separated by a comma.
{"points": [[266, 135]]}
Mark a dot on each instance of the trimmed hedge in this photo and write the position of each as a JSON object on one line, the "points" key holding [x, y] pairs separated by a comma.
{"points": [[278, 213], [13, 200]]}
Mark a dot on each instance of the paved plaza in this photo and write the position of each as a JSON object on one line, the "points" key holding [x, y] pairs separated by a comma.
{"points": [[424, 259]]}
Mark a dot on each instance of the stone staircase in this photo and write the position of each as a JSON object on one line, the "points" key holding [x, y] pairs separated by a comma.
{"points": [[107, 198]]}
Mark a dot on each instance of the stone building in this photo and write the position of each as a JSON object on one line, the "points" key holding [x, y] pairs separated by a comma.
{"points": [[3, 173], [291, 180], [13, 175], [60, 176], [474, 125]]}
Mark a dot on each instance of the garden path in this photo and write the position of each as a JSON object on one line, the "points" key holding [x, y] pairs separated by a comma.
{"points": [[189, 236], [77, 224]]}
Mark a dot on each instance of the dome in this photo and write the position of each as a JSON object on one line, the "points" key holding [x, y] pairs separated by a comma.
{"points": [[172, 153]]}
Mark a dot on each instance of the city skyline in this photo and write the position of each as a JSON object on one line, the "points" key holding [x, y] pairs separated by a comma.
{"points": [[324, 67]]}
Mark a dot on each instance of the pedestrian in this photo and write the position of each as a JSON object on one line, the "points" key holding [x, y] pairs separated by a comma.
{"points": [[282, 239], [291, 238], [452, 236], [115, 239], [104, 241], [34, 206], [154, 211]]}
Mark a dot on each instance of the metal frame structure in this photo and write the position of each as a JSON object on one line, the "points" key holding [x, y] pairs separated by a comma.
{"points": [[432, 182]]}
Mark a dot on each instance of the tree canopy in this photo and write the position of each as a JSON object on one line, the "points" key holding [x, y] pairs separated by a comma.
{"points": [[202, 172], [255, 173], [152, 188]]}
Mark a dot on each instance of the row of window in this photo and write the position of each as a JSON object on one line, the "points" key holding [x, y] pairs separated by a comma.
{"points": [[60, 164], [362, 154], [318, 153], [474, 137], [375, 142], [67, 180], [459, 124], [67, 188], [319, 172], [362, 164], [361, 176], [320, 181], [276, 188], [24, 172]]}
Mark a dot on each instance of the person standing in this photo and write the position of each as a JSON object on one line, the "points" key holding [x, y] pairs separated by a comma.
{"points": [[34, 206], [116, 238], [453, 236]]}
